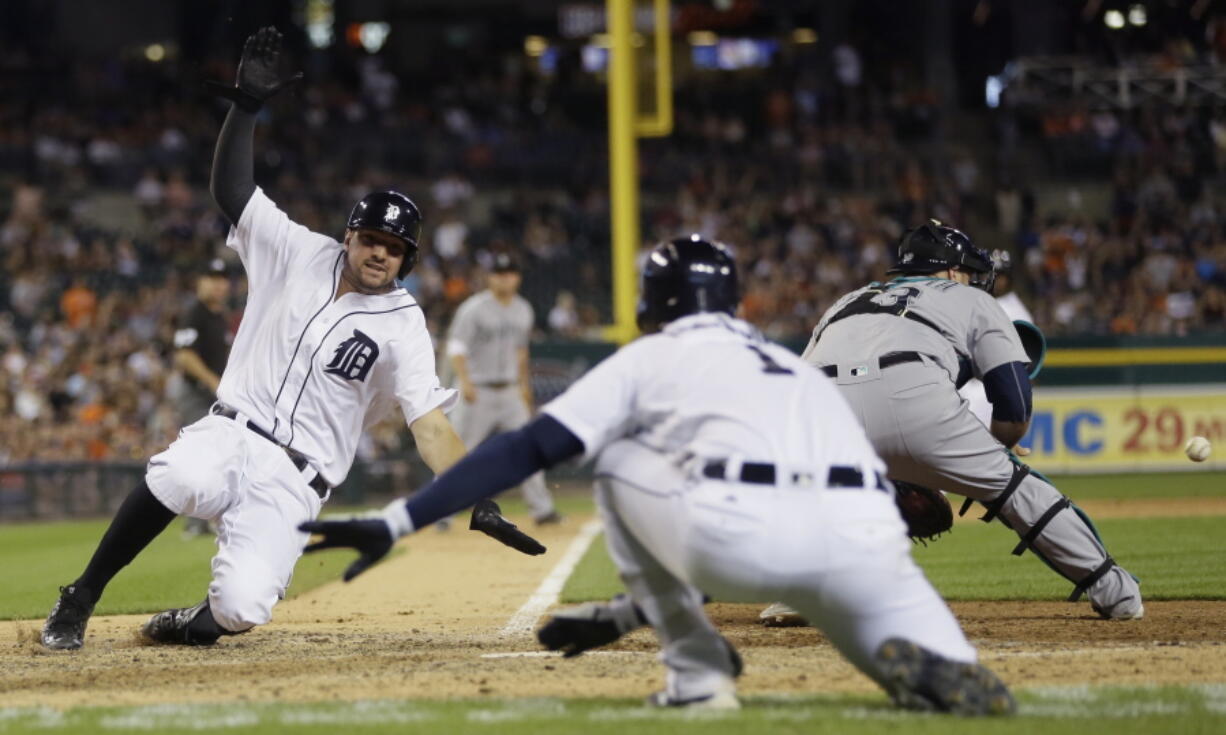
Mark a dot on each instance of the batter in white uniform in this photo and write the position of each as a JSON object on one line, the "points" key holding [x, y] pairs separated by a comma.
{"points": [[725, 464], [328, 343]]}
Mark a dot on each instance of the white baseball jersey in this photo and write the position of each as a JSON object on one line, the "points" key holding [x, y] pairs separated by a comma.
{"points": [[311, 369], [711, 386]]}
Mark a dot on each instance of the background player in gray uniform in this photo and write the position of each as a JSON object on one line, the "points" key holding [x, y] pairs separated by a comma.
{"points": [[724, 464], [201, 344], [488, 349], [898, 351]]}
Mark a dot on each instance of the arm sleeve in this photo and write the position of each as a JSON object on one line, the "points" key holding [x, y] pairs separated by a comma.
{"points": [[499, 463], [1008, 389], [992, 340], [415, 381], [600, 407], [233, 178]]}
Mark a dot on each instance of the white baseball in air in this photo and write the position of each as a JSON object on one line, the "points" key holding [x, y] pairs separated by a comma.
{"points": [[1198, 449]]}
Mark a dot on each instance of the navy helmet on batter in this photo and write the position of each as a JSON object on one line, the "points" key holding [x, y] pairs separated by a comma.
{"points": [[934, 247], [395, 214], [684, 276]]}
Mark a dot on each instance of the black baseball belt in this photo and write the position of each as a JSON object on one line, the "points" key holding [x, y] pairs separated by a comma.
{"points": [[496, 385], [889, 359], [765, 473], [319, 484]]}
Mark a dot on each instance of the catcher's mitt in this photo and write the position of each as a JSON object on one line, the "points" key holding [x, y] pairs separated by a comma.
{"points": [[927, 512]]}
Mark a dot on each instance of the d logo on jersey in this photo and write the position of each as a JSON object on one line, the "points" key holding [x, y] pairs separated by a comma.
{"points": [[354, 357]]}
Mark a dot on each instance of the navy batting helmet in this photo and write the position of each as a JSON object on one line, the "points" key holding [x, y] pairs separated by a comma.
{"points": [[933, 247], [687, 276], [395, 214]]}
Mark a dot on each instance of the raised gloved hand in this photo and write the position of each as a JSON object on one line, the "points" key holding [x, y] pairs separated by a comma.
{"points": [[487, 518], [927, 512], [258, 76], [372, 537]]}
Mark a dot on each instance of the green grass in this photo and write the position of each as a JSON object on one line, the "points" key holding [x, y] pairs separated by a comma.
{"points": [[1145, 485], [1054, 711], [171, 572]]}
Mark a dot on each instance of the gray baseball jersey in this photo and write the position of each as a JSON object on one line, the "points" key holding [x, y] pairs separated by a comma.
{"points": [[489, 334], [962, 328]]}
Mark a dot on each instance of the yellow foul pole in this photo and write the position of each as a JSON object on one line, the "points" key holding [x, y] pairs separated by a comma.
{"points": [[623, 168]]}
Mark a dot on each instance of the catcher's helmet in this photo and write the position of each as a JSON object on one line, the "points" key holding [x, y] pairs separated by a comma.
{"points": [[933, 247], [393, 213], [687, 276]]}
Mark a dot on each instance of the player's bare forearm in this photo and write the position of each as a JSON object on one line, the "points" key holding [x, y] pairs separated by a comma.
{"points": [[191, 364], [437, 441], [459, 365], [525, 376], [1009, 433]]}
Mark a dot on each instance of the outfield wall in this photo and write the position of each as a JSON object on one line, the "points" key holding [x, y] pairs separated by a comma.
{"points": [[1136, 428]]}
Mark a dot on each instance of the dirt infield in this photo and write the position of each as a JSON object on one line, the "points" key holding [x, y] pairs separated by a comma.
{"points": [[427, 625]]}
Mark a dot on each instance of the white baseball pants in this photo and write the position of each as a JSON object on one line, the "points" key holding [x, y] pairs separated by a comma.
{"points": [[841, 557], [222, 471]]}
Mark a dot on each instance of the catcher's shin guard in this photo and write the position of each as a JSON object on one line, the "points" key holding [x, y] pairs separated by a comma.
{"points": [[1062, 536], [917, 678]]}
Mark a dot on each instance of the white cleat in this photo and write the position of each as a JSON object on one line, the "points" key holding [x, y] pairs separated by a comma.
{"points": [[719, 701], [779, 615]]}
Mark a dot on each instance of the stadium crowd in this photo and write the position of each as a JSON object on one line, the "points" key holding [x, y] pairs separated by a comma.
{"points": [[810, 180]]}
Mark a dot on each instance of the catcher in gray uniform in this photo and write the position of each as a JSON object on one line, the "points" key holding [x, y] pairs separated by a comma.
{"points": [[899, 350], [488, 349]]}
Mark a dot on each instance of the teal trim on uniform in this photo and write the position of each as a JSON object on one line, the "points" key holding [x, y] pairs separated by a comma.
{"points": [[913, 279], [1037, 366]]}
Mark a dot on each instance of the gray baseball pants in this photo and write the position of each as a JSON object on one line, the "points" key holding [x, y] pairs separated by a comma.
{"points": [[926, 434]]}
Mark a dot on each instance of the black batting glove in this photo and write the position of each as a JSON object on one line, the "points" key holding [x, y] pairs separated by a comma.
{"points": [[258, 77], [590, 625], [371, 537], [487, 518]]}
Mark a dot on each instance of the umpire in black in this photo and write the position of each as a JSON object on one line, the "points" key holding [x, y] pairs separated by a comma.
{"points": [[202, 344]]}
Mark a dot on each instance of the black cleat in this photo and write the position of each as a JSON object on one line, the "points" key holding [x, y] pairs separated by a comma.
{"points": [[919, 679], [171, 626], [65, 626]]}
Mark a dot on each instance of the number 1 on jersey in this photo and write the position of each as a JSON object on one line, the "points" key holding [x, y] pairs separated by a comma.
{"points": [[768, 363]]}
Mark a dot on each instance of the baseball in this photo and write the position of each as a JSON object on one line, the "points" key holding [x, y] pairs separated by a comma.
{"points": [[1198, 449]]}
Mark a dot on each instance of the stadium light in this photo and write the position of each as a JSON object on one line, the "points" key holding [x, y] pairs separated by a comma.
{"points": [[702, 38], [535, 45], [155, 52], [319, 20], [1113, 19], [1137, 15], [373, 36], [804, 35]]}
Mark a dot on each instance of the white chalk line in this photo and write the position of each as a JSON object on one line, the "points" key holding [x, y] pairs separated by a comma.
{"points": [[558, 654], [546, 594]]}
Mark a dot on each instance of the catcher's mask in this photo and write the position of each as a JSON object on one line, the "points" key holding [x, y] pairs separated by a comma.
{"points": [[933, 247]]}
